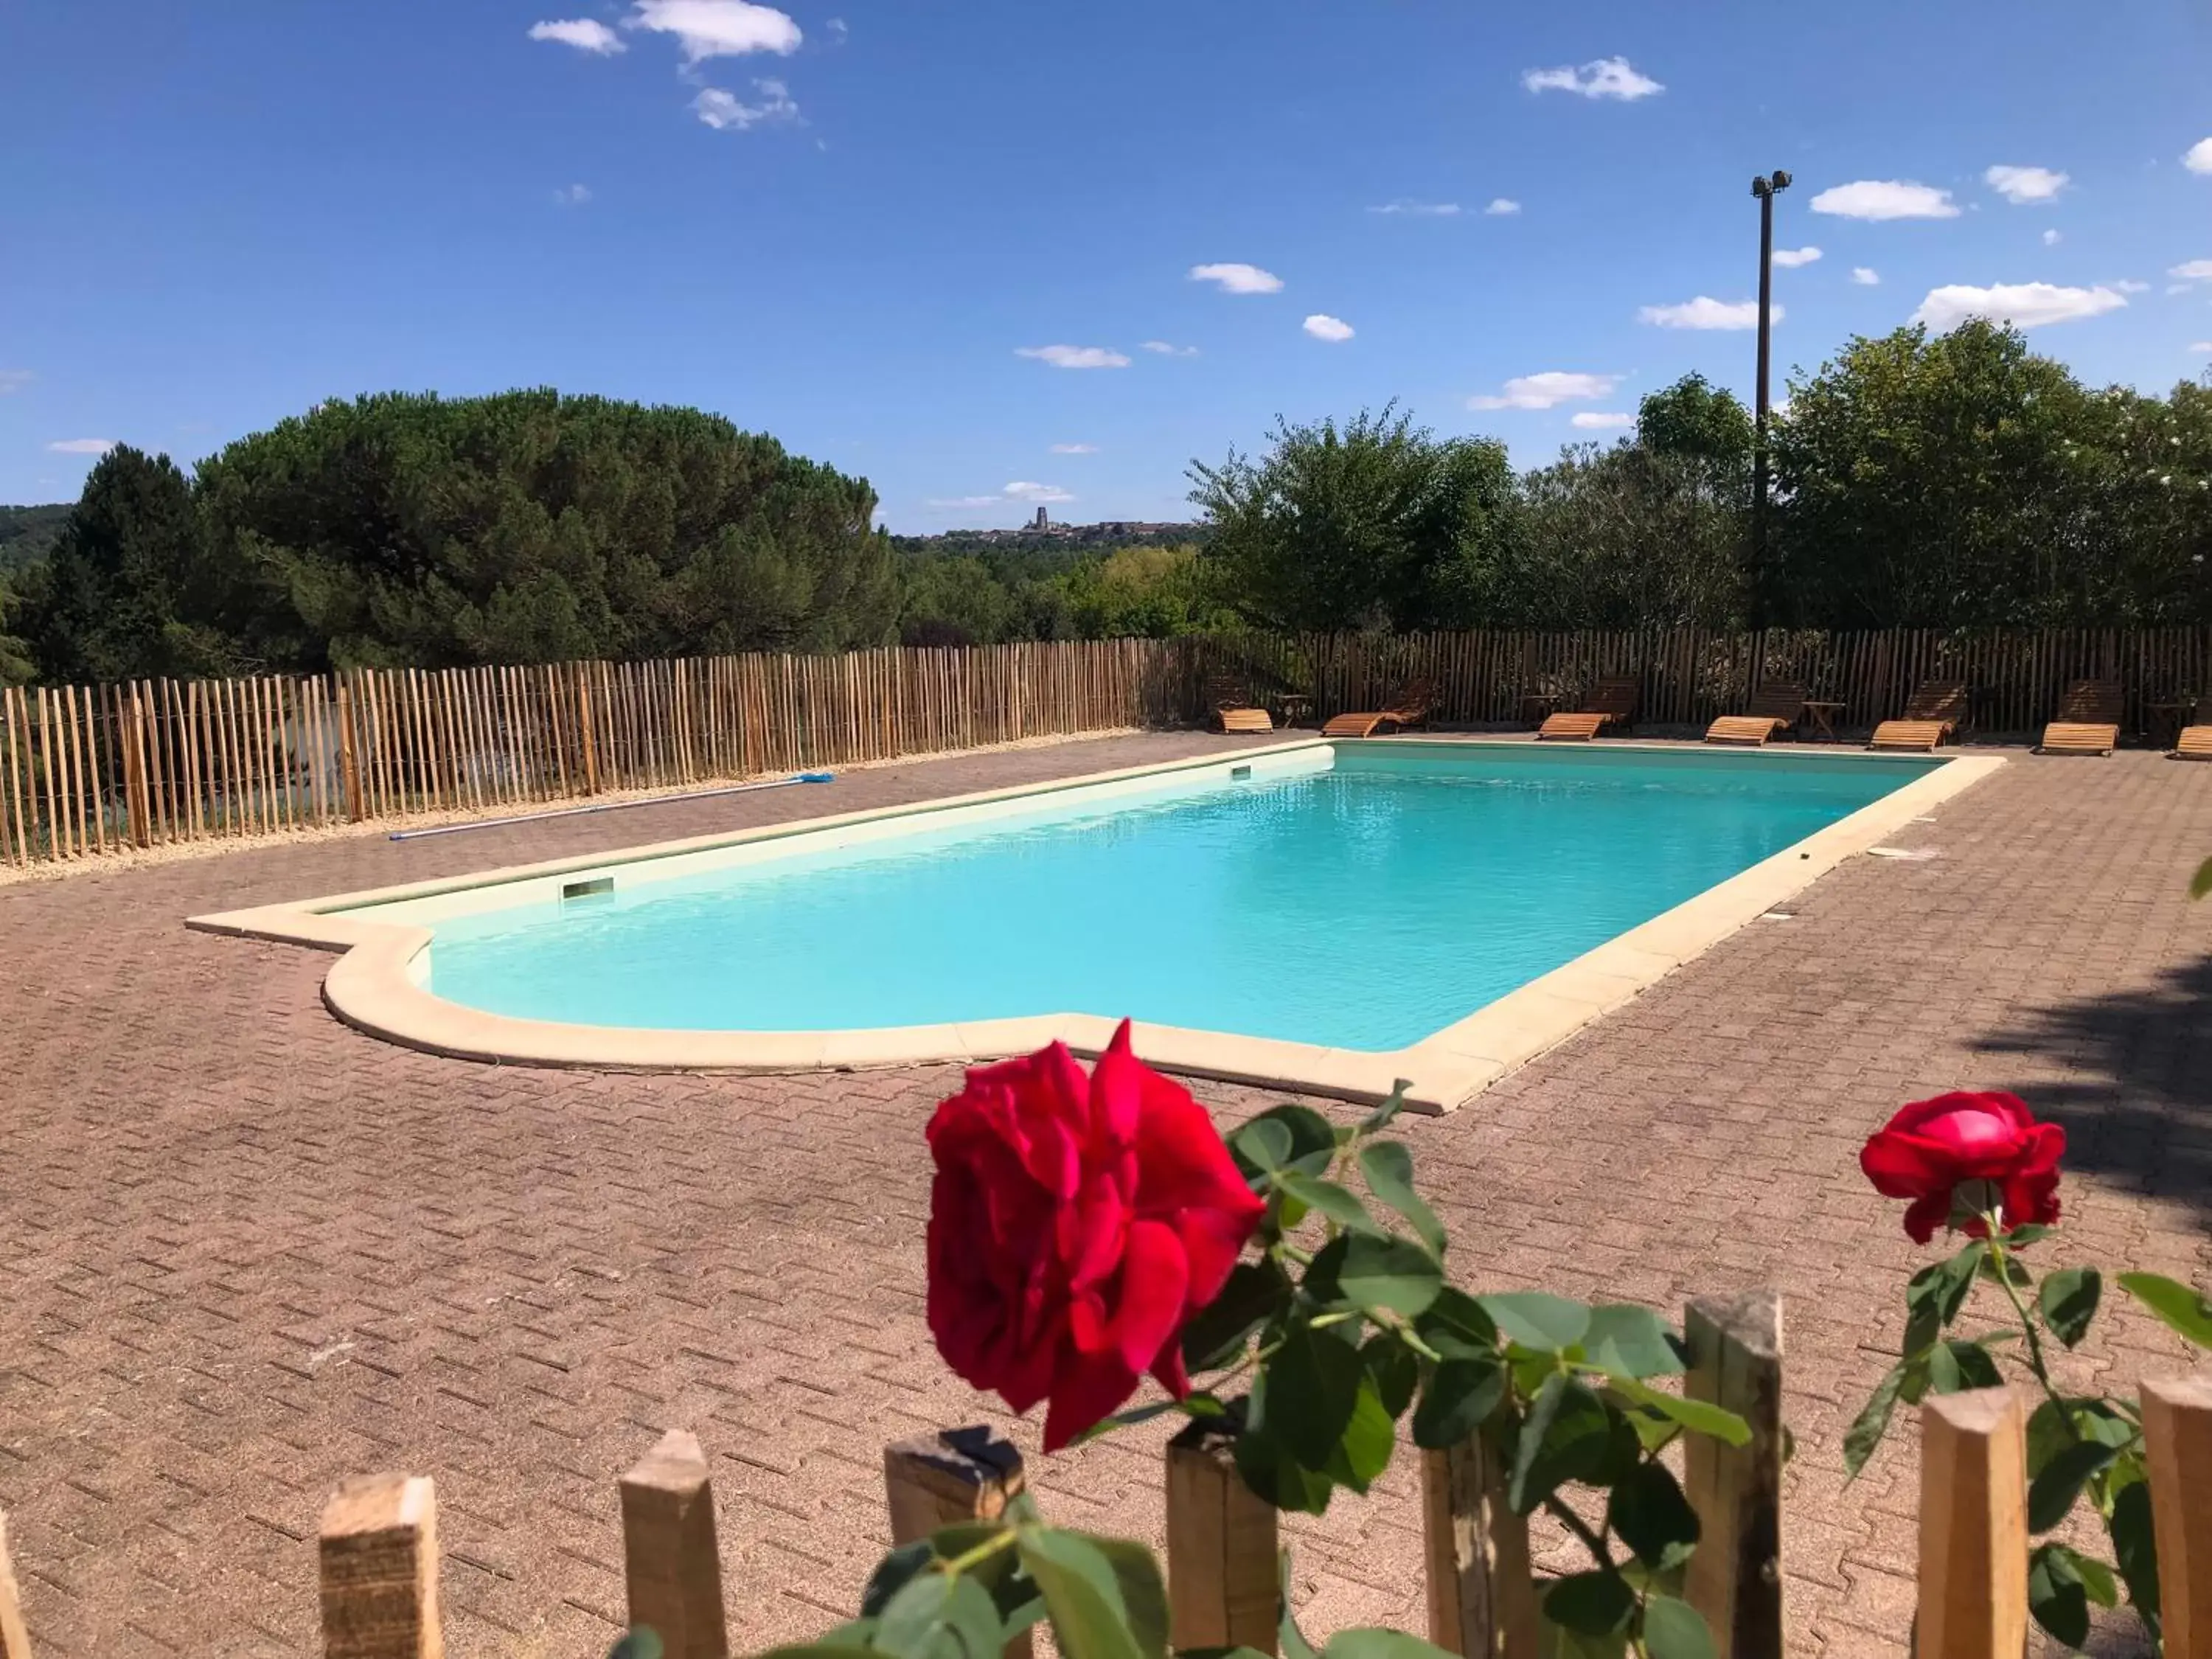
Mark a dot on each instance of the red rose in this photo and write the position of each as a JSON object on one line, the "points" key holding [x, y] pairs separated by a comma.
{"points": [[1075, 1224], [1931, 1146]]}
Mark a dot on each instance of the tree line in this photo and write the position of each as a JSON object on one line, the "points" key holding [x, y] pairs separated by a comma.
{"points": [[1951, 481]]}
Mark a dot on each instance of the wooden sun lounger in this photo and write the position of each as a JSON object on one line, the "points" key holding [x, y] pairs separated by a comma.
{"points": [[1774, 707], [1411, 706], [1609, 702], [1932, 716], [1231, 710], [2194, 744], [2087, 722]]}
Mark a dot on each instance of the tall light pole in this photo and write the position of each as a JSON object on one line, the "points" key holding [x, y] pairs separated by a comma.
{"points": [[1766, 189]]}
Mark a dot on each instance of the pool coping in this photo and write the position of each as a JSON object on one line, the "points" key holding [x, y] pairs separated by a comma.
{"points": [[371, 986]]}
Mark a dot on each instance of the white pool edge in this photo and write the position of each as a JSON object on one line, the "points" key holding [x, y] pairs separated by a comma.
{"points": [[373, 986]]}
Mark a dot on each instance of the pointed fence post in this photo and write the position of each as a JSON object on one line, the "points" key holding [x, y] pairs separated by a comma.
{"points": [[379, 1570], [1482, 1601], [940, 1479], [1223, 1587], [2177, 1444], [670, 1558], [15, 1639], [349, 756], [1735, 1578], [1973, 1526]]}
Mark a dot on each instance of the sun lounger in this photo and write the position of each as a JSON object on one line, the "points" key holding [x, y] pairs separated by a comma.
{"points": [[1233, 711], [1610, 702], [2194, 744], [2087, 722], [1932, 716], [1774, 707], [1411, 706]]}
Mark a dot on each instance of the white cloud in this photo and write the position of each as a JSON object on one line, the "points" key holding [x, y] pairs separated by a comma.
{"points": [[1547, 390], [1885, 198], [1238, 279], [572, 195], [2202, 348], [14, 379], [726, 111], [1420, 210], [718, 28], [1705, 312], [1501, 205], [1033, 495], [2199, 158], [1323, 326], [2125, 286], [80, 446], [1069, 357], [2021, 186], [2024, 305], [840, 31], [1075, 449], [1604, 77], [1866, 276], [1591, 420], [2193, 270], [2051, 238], [1168, 349], [1790, 258], [585, 33]]}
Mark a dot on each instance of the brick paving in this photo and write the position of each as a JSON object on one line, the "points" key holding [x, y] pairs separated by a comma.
{"points": [[245, 1251]]}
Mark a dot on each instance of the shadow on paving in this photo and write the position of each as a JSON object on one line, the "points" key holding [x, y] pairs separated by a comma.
{"points": [[2129, 1075]]}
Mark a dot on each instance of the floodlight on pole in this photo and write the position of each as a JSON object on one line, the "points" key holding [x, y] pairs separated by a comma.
{"points": [[1765, 189]]}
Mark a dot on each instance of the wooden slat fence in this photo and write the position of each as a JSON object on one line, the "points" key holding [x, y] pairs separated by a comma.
{"points": [[90, 770], [377, 1553]]}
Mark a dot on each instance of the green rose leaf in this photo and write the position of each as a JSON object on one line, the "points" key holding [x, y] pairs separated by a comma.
{"points": [[1380, 1644], [643, 1644], [1313, 1385], [1219, 1333], [1653, 1519], [2175, 1303], [1591, 1603], [2051, 1494], [1631, 1342], [2056, 1594], [1396, 1372], [1339, 1203], [1363, 1451], [1936, 1294], [937, 1617], [1261, 1146], [1461, 1394], [2201, 883], [1382, 1117], [1144, 1591], [2093, 1419], [1457, 1316], [1389, 1167], [1960, 1362], [1383, 1272], [2068, 1302], [2136, 1545], [1082, 1595], [1545, 1324], [1873, 1421], [1674, 1629], [1694, 1415], [2026, 1233], [1288, 1637], [1563, 1438]]}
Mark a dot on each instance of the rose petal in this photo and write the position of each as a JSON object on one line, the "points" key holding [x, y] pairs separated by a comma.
{"points": [[1924, 1215], [1155, 1277], [1086, 1389]]}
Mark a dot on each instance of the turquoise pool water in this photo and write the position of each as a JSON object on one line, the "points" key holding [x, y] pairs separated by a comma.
{"points": [[1363, 906]]}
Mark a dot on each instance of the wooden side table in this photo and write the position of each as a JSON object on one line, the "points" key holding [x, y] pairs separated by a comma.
{"points": [[1290, 707], [1823, 714]]}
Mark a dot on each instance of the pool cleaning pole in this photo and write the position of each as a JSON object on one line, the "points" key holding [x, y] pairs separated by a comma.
{"points": [[611, 806]]}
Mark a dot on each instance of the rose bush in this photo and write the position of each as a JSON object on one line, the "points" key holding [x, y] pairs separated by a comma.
{"points": [[1076, 1223], [1989, 1145], [1982, 1165]]}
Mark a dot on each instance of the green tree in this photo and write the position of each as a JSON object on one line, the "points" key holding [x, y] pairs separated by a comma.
{"points": [[128, 589], [1148, 593], [1378, 523], [1695, 420]]}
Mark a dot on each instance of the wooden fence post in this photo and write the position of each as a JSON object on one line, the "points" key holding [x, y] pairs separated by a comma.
{"points": [[130, 738], [2177, 1444], [961, 1475], [1973, 1526], [1735, 1577], [1222, 1588], [15, 1640], [1482, 1601], [587, 739], [379, 1570], [349, 756], [670, 1559]]}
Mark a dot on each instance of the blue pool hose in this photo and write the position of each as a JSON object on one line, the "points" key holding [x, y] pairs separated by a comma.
{"points": [[613, 807]]}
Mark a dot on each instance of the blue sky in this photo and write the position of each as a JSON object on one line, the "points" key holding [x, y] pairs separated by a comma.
{"points": [[845, 222]]}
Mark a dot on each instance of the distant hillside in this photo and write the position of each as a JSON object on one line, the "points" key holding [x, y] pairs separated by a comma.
{"points": [[27, 534]]}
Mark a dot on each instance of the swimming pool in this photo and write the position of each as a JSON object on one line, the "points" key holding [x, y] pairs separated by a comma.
{"points": [[1357, 905]]}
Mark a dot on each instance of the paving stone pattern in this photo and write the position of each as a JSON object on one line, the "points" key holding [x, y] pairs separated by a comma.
{"points": [[245, 1252]]}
